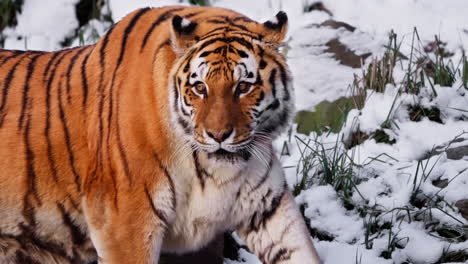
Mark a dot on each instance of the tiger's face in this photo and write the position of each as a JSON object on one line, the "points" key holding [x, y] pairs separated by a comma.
{"points": [[232, 94]]}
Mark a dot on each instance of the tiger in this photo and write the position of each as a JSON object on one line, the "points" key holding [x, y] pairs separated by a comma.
{"points": [[155, 139]]}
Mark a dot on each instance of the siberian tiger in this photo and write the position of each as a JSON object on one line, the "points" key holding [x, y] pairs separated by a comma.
{"points": [[155, 139]]}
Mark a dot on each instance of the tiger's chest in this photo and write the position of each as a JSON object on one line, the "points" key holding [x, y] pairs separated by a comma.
{"points": [[213, 201]]}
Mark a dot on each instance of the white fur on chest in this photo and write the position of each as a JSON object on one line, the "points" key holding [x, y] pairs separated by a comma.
{"points": [[216, 202]]}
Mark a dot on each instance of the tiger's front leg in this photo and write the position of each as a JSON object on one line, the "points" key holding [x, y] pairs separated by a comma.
{"points": [[127, 225], [277, 233]]}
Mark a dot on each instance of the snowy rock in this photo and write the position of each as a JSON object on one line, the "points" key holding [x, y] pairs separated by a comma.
{"points": [[344, 55], [462, 205], [318, 6], [457, 153], [337, 24]]}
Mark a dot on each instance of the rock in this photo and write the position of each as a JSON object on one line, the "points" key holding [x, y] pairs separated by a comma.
{"points": [[462, 206], [455, 149], [457, 153], [441, 183], [318, 6], [344, 55], [337, 24]]}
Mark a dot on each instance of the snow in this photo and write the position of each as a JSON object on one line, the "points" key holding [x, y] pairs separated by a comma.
{"points": [[325, 212], [42, 25], [331, 252], [120, 8], [447, 18], [386, 172]]}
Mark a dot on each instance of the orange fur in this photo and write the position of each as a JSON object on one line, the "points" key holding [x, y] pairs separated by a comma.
{"points": [[86, 139]]}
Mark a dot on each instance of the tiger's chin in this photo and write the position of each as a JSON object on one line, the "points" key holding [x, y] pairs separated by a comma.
{"points": [[224, 156]]}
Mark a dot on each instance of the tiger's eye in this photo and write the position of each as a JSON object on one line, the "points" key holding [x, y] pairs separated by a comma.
{"points": [[200, 88], [244, 87]]}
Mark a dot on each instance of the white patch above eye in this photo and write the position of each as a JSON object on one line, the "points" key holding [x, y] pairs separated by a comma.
{"points": [[246, 69], [199, 67]]}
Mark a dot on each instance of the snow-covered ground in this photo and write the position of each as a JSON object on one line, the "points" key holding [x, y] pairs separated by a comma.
{"points": [[400, 205]]}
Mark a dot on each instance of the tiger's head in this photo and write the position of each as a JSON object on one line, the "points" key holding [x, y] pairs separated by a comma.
{"points": [[231, 89]]}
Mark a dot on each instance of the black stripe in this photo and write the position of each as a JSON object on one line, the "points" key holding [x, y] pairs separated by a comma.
{"points": [[230, 31], [228, 20], [50, 154], [207, 34], [273, 106], [5, 60], [158, 213], [267, 250], [281, 255], [259, 80], [5, 90], [275, 203], [52, 66], [163, 17], [66, 132], [105, 41], [69, 70], [77, 236], [209, 42], [166, 43], [26, 89], [120, 145], [272, 81], [31, 241], [242, 53], [231, 39], [198, 170], [84, 79], [260, 220], [243, 19], [282, 120], [126, 34], [241, 41], [102, 62], [265, 175], [49, 64], [31, 177], [245, 69], [189, 58], [205, 53], [284, 78], [169, 179], [176, 93], [216, 21], [190, 15], [184, 124]]}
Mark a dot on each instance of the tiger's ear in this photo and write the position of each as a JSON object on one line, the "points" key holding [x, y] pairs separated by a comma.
{"points": [[276, 28], [182, 33]]}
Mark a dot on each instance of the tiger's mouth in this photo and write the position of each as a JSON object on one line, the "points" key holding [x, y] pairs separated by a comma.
{"points": [[224, 155]]}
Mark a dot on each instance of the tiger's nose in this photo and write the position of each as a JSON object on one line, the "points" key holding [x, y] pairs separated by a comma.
{"points": [[219, 136]]}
